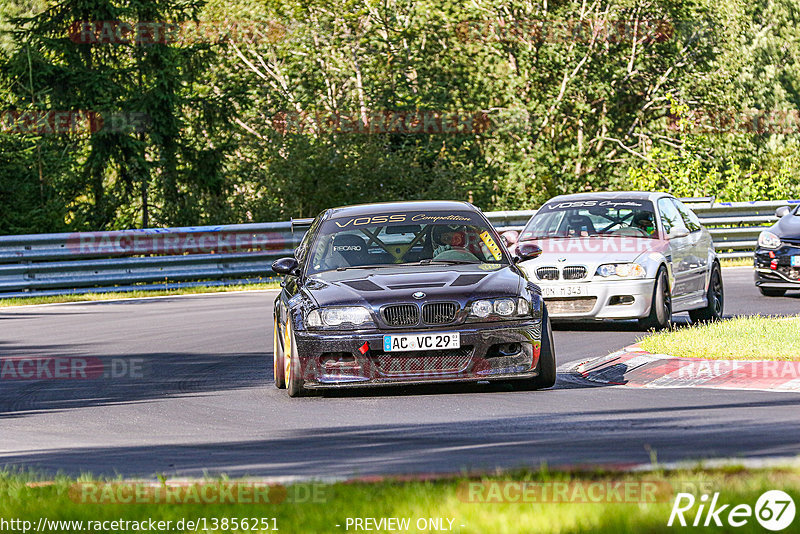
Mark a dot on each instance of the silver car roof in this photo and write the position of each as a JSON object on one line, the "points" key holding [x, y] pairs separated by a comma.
{"points": [[608, 195]]}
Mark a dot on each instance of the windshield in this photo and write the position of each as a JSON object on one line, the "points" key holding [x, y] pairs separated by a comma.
{"points": [[404, 238], [590, 218]]}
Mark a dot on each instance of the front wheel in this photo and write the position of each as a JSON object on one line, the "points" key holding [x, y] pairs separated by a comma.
{"points": [[293, 371], [660, 316], [547, 360], [277, 357], [772, 292], [716, 300]]}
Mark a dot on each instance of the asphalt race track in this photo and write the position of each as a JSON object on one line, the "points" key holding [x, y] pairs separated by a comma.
{"points": [[198, 397]]}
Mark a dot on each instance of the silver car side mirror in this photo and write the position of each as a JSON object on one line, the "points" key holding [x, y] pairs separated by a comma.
{"points": [[783, 211], [677, 233]]}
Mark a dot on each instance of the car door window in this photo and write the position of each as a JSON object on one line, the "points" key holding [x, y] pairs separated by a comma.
{"points": [[689, 218], [301, 251], [670, 216]]}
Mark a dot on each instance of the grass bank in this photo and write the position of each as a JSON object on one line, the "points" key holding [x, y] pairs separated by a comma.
{"points": [[114, 295], [740, 338], [588, 502]]}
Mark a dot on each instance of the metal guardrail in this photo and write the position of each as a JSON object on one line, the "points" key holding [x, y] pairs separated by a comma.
{"points": [[159, 258]]}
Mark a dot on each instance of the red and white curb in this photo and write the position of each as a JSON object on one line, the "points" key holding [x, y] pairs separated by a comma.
{"points": [[635, 367]]}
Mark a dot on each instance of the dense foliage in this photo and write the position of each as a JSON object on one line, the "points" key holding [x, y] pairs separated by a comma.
{"points": [[248, 110]]}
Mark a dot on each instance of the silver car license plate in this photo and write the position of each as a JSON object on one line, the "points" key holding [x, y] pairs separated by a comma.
{"points": [[565, 291]]}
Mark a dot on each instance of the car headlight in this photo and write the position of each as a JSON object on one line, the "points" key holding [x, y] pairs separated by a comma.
{"points": [[345, 316], [501, 308], [623, 270], [768, 240]]}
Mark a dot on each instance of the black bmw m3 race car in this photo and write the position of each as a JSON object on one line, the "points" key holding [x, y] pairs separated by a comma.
{"points": [[408, 293], [777, 257]]}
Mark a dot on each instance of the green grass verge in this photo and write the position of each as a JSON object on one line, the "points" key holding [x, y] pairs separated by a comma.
{"points": [[91, 297], [741, 338], [736, 262], [319, 508]]}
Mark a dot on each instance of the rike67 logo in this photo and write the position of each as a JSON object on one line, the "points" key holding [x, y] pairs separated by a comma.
{"points": [[774, 510]]}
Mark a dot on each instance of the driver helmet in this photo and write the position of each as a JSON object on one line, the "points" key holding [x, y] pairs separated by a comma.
{"points": [[644, 221], [451, 235]]}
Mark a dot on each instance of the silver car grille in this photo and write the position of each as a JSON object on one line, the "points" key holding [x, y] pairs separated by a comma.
{"points": [[547, 273], [574, 272]]}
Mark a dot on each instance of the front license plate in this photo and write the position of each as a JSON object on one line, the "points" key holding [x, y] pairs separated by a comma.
{"points": [[408, 342], [795, 261], [565, 291]]}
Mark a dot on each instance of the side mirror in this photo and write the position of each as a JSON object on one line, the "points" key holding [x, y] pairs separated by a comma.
{"points": [[783, 211], [285, 266], [677, 233], [510, 237], [527, 250]]}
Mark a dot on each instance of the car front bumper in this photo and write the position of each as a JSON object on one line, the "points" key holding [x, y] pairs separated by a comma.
{"points": [[335, 360], [606, 299], [774, 269]]}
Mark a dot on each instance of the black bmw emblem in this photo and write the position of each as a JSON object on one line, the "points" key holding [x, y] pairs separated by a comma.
{"points": [[418, 295]]}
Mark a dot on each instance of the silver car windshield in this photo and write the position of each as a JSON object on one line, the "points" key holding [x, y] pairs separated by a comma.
{"points": [[592, 218]]}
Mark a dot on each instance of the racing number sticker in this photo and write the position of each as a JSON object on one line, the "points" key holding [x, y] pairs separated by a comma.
{"points": [[486, 237]]}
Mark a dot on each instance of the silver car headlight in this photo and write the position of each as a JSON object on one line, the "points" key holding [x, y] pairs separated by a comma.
{"points": [[769, 240], [622, 270], [339, 316]]}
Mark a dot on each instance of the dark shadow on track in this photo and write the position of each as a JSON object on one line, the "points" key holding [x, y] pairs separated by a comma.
{"points": [[507, 442], [128, 378]]}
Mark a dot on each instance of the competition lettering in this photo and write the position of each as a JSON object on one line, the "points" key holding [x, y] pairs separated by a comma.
{"points": [[428, 218], [400, 217], [593, 203], [377, 219]]}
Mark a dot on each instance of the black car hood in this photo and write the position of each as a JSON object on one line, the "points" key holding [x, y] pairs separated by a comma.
{"points": [[788, 227], [376, 287]]}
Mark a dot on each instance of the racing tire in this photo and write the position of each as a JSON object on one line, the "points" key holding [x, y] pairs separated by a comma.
{"points": [[277, 357], [547, 360], [716, 299], [767, 292], [293, 371], [660, 316]]}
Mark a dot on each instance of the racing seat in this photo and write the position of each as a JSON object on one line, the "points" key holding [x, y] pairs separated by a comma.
{"points": [[580, 225], [352, 249]]}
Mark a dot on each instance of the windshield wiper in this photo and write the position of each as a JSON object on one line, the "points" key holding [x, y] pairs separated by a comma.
{"points": [[450, 262], [378, 266]]}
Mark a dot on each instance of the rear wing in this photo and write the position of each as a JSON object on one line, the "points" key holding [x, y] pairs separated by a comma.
{"points": [[301, 224]]}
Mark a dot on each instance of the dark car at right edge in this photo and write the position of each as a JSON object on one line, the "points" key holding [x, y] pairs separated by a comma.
{"points": [[777, 257]]}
